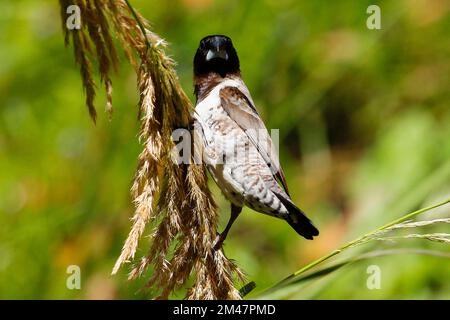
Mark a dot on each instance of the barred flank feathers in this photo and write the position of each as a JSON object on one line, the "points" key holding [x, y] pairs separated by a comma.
{"points": [[174, 199]]}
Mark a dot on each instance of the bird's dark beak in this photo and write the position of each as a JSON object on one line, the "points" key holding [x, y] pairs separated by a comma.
{"points": [[216, 53]]}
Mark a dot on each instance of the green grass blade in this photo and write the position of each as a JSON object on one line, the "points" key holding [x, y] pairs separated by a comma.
{"points": [[291, 287], [360, 240]]}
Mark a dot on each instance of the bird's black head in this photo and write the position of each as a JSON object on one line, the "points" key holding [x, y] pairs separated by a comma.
{"points": [[216, 54]]}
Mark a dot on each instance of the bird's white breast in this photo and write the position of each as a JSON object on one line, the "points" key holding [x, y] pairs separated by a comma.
{"points": [[212, 100], [212, 118], [209, 108]]}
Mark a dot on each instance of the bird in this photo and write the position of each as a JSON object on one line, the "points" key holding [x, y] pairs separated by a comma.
{"points": [[237, 148]]}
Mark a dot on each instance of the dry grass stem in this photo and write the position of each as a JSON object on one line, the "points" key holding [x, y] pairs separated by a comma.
{"points": [[437, 237], [175, 199], [415, 224], [379, 235]]}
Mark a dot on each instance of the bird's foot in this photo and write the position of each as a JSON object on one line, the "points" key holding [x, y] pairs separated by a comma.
{"points": [[218, 242]]}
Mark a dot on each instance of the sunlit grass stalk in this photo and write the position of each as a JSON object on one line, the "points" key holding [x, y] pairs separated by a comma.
{"points": [[360, 240], [302, 282]]}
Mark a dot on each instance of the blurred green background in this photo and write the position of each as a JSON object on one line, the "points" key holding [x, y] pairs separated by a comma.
{"points": [[364, 119]]}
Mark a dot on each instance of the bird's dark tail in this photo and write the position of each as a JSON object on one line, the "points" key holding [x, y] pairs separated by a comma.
{"points": [[298, 221]]}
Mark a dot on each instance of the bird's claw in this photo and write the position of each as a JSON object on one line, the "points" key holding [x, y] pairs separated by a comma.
{"points": [[218, 242]]}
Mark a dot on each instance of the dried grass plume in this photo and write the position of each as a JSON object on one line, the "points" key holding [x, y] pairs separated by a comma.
{"points": [[173, 199]]}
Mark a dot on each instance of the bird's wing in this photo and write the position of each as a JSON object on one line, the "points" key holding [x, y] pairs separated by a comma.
{"points": [[241, 110]]}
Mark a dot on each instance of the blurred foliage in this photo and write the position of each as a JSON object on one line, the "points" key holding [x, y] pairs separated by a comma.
{"points": [[364, 136]]}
